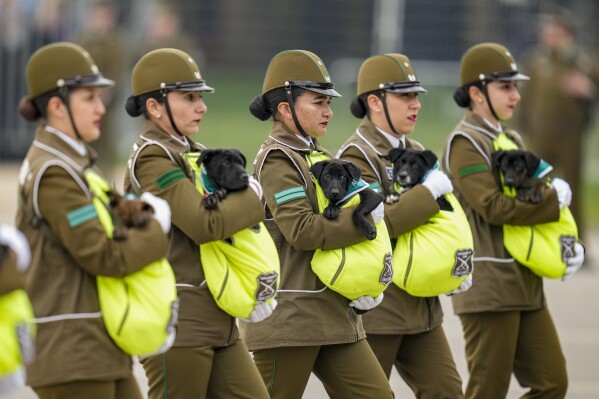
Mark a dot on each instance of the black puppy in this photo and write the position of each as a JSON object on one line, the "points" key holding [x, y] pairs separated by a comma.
{"points": [[335, 177], [225, 170], [518, 168], [409, 168]]}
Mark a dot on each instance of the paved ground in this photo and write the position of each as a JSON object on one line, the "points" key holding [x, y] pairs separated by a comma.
{"points": [[574, 305]]}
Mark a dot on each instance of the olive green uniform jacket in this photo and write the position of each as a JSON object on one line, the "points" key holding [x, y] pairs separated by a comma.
{"points": [[69, 249], [156, 165], [308, 313], [10, 277], [399, 313], [499, 282]]}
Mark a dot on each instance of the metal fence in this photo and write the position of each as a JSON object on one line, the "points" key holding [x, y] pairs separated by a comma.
{"points": [[244, 34]]}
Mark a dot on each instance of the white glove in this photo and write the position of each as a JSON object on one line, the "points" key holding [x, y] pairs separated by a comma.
{"points": [[465, 286], [438, 183], [378, 213], [17, 242], [366, 302], [162, 210], [255, 185], [261, 311], [564, 193], [574, 263]]}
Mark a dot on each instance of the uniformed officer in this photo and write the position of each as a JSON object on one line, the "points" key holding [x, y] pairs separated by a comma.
{"points": [[207, 360], [76, 357], [507, 325], [559, 101], [404, 330], [314, 329], [16, 332]]}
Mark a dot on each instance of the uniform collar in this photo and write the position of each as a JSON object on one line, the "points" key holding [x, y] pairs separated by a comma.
{"points": [[77, 145], [151, 131], [53, 143], [395, 142], [478, 123], [284, 136], [375, 138]]}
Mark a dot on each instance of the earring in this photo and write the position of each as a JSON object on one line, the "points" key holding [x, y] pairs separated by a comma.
{"points": [[480, 100], [288, 115], [158, 116]]}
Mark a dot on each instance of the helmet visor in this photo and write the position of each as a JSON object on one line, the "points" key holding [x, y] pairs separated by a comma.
{"points": [[194, 85], [506, 76], [403, 87], [328, 89], [86, 81]]}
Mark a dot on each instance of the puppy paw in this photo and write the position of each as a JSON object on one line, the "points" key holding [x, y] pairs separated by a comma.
{"points": [[392, 198], [220, 193], [331, 212], [210, 202], [120, 233], [369, 232]]}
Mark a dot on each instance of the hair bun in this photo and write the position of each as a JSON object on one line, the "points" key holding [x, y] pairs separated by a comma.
{"points": [[461, 97], [357, 108], [28, 110], [132, 106], [259, 109]]}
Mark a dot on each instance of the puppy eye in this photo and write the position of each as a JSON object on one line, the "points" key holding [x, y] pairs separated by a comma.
{"points": [[227, 164], [326, 176]]}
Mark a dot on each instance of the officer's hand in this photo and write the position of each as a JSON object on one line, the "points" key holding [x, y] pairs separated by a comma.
{"points": [[574, 263], [255, 185], [465, 286], [366, 302], [162, 210], [438, 183], [261, 311], [378, 213], [13, 238], [564, 193]]}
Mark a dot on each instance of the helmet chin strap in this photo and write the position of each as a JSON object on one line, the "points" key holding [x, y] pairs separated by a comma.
{"points": [[168, 112], [384, 101], [295, 120], [63, 93], [486, 93]]}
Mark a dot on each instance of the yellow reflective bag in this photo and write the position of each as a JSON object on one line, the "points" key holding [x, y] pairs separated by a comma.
{"points": [[242, 270], [17, 334], [543, 248], [361, 269], [436, 257], [140, 309]]}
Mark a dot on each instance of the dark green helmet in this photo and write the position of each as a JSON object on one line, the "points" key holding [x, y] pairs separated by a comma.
{"points": [[488, 61], [298, 68], [167, 69], [389, 72], [62, 65]]}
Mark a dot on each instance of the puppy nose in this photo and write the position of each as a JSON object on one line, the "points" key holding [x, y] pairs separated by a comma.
{"points": [[403, 175], [245, 178]]}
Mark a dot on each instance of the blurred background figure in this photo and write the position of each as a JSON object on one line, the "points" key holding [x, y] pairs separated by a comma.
{"points": [[559, 101], [165, 30], [108, 45]]}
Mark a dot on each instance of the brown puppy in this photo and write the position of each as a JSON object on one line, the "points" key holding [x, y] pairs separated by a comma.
{"points": [[225, 172], [127, 213], [336, 177], [518, 168], [409, 169]]}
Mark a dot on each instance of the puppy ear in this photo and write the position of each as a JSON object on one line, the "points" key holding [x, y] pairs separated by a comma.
{"points": [[496, 157], [353, 170], [317, 168], [429, 157], [532, 163], [205, 156], [395, 153], [240, 156]]}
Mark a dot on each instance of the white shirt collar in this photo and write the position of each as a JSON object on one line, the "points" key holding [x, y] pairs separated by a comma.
{"points": [[497, 128], [394, 141], [307, 140], [182, 140], [77, 145]]}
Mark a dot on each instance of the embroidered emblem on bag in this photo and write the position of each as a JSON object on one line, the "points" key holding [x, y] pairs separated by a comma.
{"points": [[389, 171], [267, 286], [567, 246], [387, 273], [463, 263]]}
